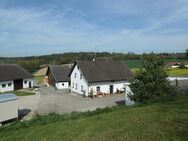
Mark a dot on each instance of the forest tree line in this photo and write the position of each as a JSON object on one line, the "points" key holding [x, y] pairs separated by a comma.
{"points": [[34, 62]]}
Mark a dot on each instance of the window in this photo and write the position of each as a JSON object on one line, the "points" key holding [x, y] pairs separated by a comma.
{"points": [[25, 82], [75, 75], [62, 84], [72, 85], [76, 86], [98, 89], [78, 67], [9, 84], [82, 89], [3, 85], [80, 76]]}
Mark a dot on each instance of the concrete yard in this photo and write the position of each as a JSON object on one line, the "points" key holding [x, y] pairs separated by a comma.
{"points": [[56, 101]]}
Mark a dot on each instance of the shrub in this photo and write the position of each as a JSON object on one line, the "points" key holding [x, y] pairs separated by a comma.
{"points": [[151, 82]]}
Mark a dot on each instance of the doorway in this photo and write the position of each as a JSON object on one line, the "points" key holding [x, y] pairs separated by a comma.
{"points": [[111, 89], [18, 84], [29, 84]]}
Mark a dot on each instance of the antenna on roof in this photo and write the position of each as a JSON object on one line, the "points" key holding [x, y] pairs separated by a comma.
{"points": [[95, 54]]}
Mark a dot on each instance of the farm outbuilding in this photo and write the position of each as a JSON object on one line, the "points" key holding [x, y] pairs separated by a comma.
{"points": [[8, 107], [57, 76], [13, 77]]}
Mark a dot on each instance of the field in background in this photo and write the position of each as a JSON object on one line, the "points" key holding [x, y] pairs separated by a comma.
{"points": [[137, 63], [170, 71], [164, 121]]}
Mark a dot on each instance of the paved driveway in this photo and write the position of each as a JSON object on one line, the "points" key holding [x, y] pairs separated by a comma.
{"points": [[56, 101], [29, 104]]}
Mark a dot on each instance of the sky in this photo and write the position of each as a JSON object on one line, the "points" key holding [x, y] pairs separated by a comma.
{"points": [[39, 27]]}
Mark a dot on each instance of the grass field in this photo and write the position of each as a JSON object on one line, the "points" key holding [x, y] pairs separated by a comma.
{"points": [[170, 71], [20, 93], [177, 72], [137, 63], [164, 121]]}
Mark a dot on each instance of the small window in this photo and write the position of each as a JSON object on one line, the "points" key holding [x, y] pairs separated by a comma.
{"points": [[75, 75], [62, 84], [82, 89], [25, 82], [98, 89], [72, 85], [9, 84], [80, 76], [78, 67], [76, 86], [3, 85]]}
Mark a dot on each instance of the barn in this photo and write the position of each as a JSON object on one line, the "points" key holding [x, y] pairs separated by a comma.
{"points": [[57, 76], [13, 77], [100, 77]]}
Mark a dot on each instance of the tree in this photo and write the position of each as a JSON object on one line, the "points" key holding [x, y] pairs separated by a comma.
{"points": [[151, 82], [186, 53]]}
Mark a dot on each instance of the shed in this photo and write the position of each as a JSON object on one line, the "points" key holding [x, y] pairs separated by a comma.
{"points": [[8, 107]]}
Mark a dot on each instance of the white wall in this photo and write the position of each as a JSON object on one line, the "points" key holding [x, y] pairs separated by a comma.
{"points": [[105, 86], [26, 85], [178, 78], [62, 85], [7, 88], [128, 101], [79, 82]]}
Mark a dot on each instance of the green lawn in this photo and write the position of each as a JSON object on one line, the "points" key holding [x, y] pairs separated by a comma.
{"points": [[164, 121], [20, 93], [177, 72]]}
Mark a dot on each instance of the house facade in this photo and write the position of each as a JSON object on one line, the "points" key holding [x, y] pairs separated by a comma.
{"points": [[57, 76], [99, 77], [14, 77]]}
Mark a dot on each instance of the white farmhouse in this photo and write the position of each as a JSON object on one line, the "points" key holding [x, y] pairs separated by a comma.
{"points": [[57, 76], [14, 77], [99, 77]]}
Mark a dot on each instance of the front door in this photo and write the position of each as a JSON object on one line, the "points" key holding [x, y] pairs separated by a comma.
{"points": [[111, 89], [29, 84], [18, 84]]}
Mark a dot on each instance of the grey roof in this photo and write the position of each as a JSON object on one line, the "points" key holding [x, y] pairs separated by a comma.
{"points": [[7, 97], [13, 72], [60, 73], [101, 71]]}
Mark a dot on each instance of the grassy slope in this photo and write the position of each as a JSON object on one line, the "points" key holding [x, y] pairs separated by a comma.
{"points": [[167, 121], [39, 79]]}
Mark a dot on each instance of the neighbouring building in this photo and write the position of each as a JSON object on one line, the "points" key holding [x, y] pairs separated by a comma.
{"points": [[99, 77], [173, 65], [14, 77], [57, 76]]}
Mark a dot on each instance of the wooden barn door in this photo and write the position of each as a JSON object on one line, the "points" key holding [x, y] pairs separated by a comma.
{"points": [[18, 84]]}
